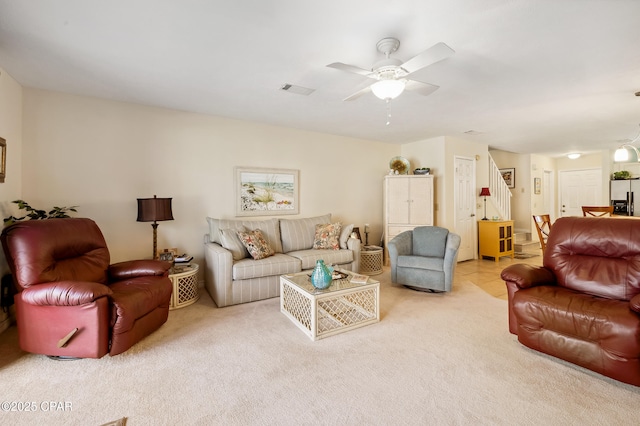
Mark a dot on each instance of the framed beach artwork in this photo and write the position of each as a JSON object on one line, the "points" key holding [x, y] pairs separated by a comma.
{"points": [[509, 176], [262, 192]]}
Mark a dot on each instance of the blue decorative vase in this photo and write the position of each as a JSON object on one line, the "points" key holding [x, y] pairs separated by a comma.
{"points": [[321, 275]]}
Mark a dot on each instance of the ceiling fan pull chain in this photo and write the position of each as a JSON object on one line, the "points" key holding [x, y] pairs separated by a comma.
{"points": [[388, 102]]}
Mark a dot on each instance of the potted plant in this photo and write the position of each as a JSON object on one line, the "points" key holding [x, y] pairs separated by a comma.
{"points": [[622, 174], [37, 214]]}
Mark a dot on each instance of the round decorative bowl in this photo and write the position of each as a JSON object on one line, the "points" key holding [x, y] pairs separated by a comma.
{"points": [[399, 165]]}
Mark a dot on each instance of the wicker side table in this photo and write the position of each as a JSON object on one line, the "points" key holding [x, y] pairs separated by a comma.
{"points": [[371, 260], [185, 286]]}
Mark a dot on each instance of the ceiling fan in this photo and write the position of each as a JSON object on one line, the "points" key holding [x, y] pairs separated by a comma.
{"points": [[391, 76]]}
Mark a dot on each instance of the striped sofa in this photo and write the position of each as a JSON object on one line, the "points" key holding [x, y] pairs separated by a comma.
{"points": [[233, 277]]}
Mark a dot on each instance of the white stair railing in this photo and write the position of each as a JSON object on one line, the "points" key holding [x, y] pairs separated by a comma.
{"points": [[500, 192]]}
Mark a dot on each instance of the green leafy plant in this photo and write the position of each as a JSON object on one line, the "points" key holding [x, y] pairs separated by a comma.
{"points": [[623, 174], [37, 214]]}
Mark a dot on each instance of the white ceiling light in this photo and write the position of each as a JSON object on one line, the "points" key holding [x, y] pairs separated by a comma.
{"points": [[622, 154], [387, 89], [574, 155]]}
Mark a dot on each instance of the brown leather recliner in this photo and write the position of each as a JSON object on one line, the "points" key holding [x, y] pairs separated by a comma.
{"points": [[583, 305], [65, 282]]}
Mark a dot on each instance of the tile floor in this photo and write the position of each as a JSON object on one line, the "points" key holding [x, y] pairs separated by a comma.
{"points": [[485, 273]]}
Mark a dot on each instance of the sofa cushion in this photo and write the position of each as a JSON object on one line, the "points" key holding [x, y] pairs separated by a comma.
{"points": [[298, 234], [309, 257], [421, 262], [327, 236], [270, 229], [214, 230], [229, 239], [256, 244], [345, 233], [278, 264]]}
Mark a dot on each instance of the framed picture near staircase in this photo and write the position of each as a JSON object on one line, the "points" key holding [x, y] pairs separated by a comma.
{"points": [[509, 176]]}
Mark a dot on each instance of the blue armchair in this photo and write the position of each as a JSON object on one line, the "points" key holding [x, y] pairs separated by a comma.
{"points": [[425, 258]]}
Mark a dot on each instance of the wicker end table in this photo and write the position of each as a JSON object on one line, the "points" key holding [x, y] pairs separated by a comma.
{"points": [[371, 260], [185, 286]]}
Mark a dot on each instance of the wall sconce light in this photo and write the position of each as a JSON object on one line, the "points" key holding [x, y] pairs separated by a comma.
{"points": [[152, 210], [485, 193]]}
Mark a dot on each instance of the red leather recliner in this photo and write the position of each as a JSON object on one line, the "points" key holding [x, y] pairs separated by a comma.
{"points": [[65, 282], [583, 305]]}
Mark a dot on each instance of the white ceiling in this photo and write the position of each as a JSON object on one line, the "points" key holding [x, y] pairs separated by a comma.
{"points": [[530, 76]]}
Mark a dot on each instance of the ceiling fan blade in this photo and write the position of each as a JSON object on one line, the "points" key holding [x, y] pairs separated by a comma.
{"points": [[358, 94], [424, 89], [351, 68], [434, 54]]}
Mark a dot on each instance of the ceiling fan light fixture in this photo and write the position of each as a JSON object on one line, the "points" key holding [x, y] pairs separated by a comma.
{"points": [[388, 89]]}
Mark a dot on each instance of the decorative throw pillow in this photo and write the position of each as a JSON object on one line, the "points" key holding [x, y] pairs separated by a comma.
{"points": [[327, 236], [256, 244], [229, 239], [344, 235]]}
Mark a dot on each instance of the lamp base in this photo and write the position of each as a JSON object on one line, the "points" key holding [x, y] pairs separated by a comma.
{"points": [[485, 218], [155, 241]]}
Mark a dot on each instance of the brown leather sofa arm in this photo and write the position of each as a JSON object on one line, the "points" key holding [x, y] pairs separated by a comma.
{"points": [[64, 293], [138, 268], [525, 276], [634, 303]]}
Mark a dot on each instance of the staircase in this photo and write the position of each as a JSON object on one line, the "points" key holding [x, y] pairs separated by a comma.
{"points": [[501, 200], [525, 242], [500, 193]]}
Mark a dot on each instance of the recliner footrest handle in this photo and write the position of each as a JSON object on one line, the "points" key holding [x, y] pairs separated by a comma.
{"points": [[63, 342]]}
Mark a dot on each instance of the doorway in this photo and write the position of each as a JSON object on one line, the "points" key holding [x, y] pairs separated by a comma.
{"points": [[579, 188], [465, 206]]}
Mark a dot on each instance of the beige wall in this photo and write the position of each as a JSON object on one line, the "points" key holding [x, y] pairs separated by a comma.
{"points": [[11, 131], [439, 154], [102, 155]]}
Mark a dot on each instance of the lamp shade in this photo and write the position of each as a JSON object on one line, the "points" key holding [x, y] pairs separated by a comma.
{"points": [[154, 209], [387, 89], [485, 192]]}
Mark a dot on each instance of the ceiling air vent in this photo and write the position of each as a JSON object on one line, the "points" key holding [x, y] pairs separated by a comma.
{"points": [[291, 88]]}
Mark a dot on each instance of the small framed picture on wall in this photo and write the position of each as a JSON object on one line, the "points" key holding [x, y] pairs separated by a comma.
{"points": [[509, 176], [537, 186]]}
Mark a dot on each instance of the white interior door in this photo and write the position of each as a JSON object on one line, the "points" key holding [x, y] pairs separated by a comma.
{"points": [[579, 188], [465, 206]]}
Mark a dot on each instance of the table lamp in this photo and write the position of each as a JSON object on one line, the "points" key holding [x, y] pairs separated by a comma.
{"points": [[485, 193], [153, 210]]}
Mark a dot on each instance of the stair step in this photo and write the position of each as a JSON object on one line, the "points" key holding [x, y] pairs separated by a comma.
{"points": [[525, 245]]}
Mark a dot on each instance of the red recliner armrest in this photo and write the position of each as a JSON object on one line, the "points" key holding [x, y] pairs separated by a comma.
{"points": [[138, 268], [634, 303], [525, 276], [64, 293]]}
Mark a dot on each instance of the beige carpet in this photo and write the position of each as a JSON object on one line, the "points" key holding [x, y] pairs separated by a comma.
{"points": [[433, 359]]}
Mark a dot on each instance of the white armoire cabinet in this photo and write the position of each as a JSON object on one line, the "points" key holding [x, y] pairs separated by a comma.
{"points": [[408, 202]]}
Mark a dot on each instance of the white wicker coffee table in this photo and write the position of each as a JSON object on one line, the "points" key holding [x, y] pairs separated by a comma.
{"points": [[322, 313]]}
